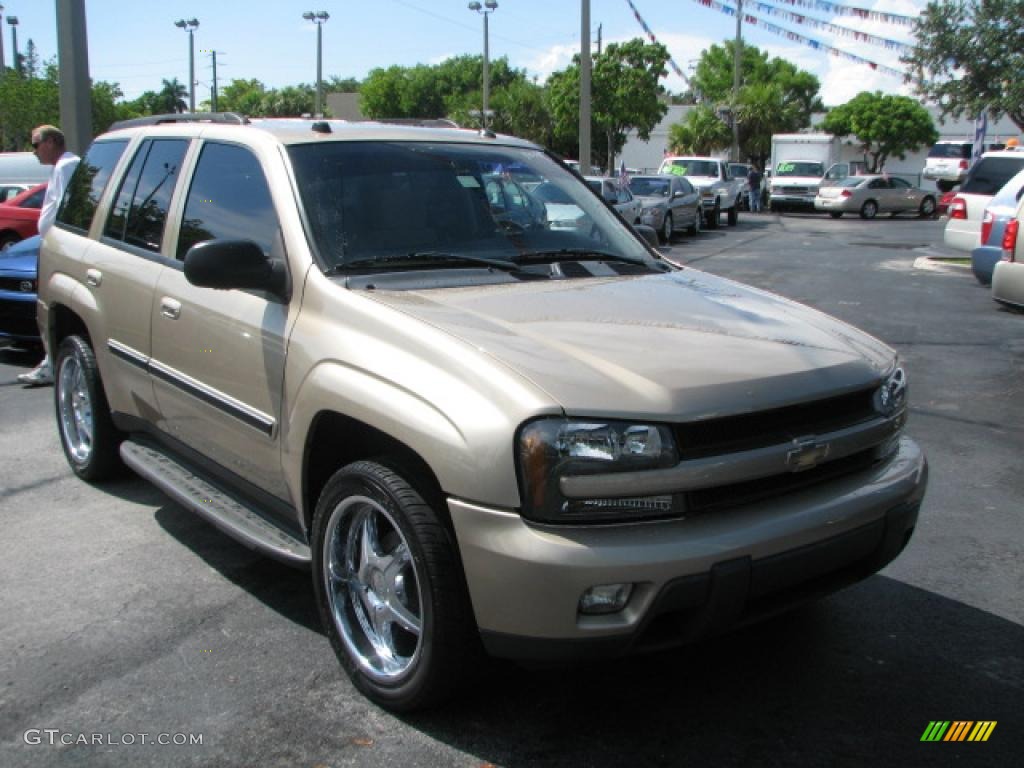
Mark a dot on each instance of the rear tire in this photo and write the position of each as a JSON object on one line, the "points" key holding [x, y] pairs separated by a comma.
{"points": [[390, 589], [927, 209], [869, 210], [87, 433]]}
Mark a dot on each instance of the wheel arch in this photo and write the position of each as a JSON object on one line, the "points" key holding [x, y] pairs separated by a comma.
{"points": [[335, 440]]}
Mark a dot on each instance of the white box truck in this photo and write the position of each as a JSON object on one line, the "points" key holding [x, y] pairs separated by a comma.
{"points": [[798, 165]]}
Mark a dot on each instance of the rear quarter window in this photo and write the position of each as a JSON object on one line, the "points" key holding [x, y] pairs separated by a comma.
{"points": [[954, 151], [87, 184]]}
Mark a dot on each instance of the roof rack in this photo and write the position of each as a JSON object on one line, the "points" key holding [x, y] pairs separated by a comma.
{"points": [[421, 122], [229, 118]]}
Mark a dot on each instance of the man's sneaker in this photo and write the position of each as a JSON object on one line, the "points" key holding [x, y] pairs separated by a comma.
{"points": [[40, 376]]}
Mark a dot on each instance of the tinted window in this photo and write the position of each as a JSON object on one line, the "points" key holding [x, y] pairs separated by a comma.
{"points": [[87, 184], [991, 174], [898, 183], [955, 151], [140, 211], [35, 200], [229, 199]]}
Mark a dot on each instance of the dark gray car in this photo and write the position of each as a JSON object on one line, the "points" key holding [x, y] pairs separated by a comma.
{"points": [[669, 203]]}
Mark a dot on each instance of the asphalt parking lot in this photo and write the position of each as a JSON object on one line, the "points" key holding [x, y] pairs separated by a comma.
{"points": [[122, 615]]}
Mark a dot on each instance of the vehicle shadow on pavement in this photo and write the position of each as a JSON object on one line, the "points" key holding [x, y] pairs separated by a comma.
{"points": [[285, 590], [854, 679]]}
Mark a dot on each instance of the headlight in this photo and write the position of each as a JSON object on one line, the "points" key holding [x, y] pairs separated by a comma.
{"points": [[891, 397], [654, 211], [550, 449]]}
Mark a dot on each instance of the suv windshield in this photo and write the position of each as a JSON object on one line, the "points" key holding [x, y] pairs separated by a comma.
{"points": [[429, 204], [799, 169], [685, 167]]}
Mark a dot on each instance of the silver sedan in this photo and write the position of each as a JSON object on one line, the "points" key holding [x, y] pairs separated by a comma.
{"points": [[871, 195], [668, 204]]}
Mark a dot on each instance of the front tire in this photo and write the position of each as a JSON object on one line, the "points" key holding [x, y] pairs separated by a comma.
{"points": [[667, 228], [734, 214], [390, 590], [869, 210], [694, 229], [87, 433], [713, 217]]}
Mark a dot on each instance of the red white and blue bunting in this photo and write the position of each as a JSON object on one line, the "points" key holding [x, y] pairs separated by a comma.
{"points": [[796, 37], [827, 26], [837, 9], [653, 39]]}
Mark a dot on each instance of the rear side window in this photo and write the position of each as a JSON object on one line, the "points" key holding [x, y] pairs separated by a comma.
{"points": [[229, 199], [140, 211], [953, 151], [991, 174], [87, 184], [35, 200]]}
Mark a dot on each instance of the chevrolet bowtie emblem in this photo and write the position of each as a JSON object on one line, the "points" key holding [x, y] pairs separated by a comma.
{"points": [[806, 454]]}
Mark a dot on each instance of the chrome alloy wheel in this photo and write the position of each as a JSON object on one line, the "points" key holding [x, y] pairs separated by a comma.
{"points": [[373, 590], [75, 407]]}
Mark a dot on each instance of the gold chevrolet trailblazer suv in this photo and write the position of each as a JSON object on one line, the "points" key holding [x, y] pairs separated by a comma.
{"points": [[488, 424]]}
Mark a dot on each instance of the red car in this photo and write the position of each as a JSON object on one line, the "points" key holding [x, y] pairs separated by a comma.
{"points": [[942, 207], [19, 216]]}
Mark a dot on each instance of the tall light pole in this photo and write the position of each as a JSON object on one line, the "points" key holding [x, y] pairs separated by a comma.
{"points": [[485, 10], [1, 42], [318, 18], [190, 25], [15, 64]]}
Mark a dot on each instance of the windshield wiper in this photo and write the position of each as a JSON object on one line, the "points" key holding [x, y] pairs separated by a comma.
{"points": [[427, 259], [570, 254]]}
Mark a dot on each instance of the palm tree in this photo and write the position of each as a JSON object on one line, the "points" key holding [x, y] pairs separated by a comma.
{"points": [[171, 97]]}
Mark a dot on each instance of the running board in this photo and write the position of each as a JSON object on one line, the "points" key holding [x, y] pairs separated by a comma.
{"points": [[226, 512]]}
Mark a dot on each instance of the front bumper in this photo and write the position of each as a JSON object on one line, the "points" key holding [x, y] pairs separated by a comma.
{"points": [[692, 577], [18, 315]]}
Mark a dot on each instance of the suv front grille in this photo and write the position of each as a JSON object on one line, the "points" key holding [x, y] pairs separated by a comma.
{"points": [[745, 432]]}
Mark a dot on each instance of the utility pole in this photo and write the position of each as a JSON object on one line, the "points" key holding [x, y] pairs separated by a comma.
{"points": [[213, 91], [599, 39], [737, 56], [73, 63], [585, 87]]}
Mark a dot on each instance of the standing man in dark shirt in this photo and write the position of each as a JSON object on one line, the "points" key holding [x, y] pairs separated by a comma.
{"points": [[754, 180]]}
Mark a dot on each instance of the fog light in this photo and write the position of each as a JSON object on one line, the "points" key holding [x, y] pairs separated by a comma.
{"points": [[606, 598]]}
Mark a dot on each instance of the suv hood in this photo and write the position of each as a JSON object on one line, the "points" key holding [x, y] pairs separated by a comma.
{"points": [[680, 345]]}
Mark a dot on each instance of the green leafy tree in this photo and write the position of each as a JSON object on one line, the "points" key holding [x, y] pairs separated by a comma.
{"points": [[335, 84], [884, 126], [242, 96], [290, 101], [702, 133], [969, 56], [774, 97], [624, 94]]}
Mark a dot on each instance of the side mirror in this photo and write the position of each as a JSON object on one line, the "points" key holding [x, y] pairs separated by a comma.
{"points": [[235, 265]]}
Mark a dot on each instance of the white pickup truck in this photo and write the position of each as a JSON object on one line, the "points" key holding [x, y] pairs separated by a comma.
{"points": [[711, 176]]}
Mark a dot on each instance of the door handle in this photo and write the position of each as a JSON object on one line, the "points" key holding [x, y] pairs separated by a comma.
{"points": [[93, 277], [170, 308]]}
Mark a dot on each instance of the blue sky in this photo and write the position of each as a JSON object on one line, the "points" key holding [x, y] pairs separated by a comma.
{"points": [[137, 45]]}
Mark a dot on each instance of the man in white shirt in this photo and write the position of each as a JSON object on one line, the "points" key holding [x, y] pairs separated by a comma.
{"points": [[48, 144]]}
